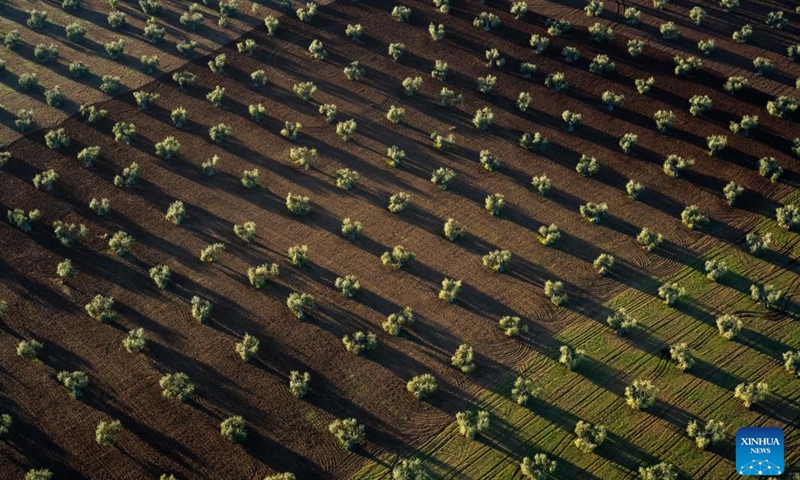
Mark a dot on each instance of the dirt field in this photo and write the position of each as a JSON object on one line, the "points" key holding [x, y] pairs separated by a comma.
{"points": [[161, 436]]}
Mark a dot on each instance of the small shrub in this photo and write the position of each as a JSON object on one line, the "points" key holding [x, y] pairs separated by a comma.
{"points": [[348, 432], [641, 394], [135, 341], [555, 292], [298, 255], [234, 428], [396, 322], [399, 201], [463, 359], [603, 263], [397, 257], [299, 383], [351, 229], [210, 253], [671, 292], [589, 436], [693, 218], [449, 290], [497, 260], [360, 342], [74, 382]]}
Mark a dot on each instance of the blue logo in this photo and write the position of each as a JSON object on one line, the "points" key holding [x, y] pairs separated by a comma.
{"points": [[759, 451]]}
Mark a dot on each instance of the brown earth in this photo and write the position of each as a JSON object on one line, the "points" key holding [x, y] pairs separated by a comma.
{"points": [[56, 432]]}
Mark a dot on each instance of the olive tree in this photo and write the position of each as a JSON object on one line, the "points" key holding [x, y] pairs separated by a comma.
{"points": [[732, 191], [160, 274], [396, 50], [397, 257], [201, 309], [542, 184], [670, 292], [247, 348], [603, 263], [788, 216], [664, 120], [29, 349], [234, 428], [453, 230], [176, 386], [539, 43], [301, 304], [299, 383], [641, 394], [348, 432], [511, 326], [46, 180], [399, 201], [791, 362], [106, 433], [298, 204], [346, 130], [410, 469], [587, 166], [589, 436], [210, 253], [572, 119], [758, 243], [768, 168], [260, 276], [751, 393], [246, 231], [643, 85], [298, 255], [74, 382], [135, 341], [463, 359], [747, 123], [535, 142], [395, 156], [735, 84], [524, 390], [634, 189], [693, 218], [68, 234], [729, 325], [346, 178], [537, 467], [303, 156], [351, 229], [714, 431], [449, 290], [396, 322], [715, 269], [101, 309], [497, 260], [594, 212], [554, 290], [674, 165], [422, 386], [648, 239], [663, 470], [348, 285], [471, 423], [681, 355], [602, 65], [621, 321], [549, 234], [443, 177], [495, 203], [483, 119], [5, 424], [782, 106], [767, 296], [570, 357]]}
